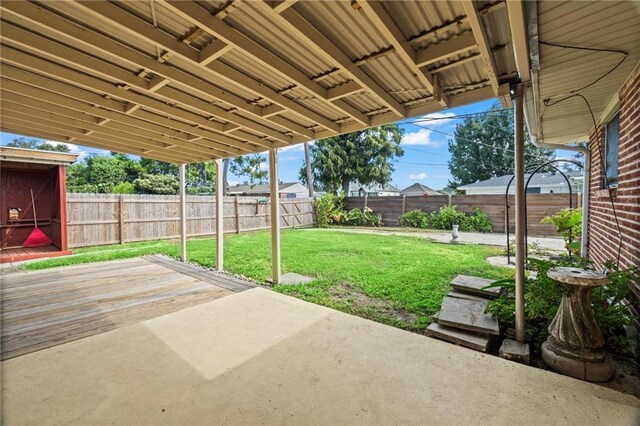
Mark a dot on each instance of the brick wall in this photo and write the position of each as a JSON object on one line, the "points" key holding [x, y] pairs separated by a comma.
{"points": [[604, 238], [603, 233]]}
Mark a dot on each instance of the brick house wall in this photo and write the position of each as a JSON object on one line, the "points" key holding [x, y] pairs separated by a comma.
{"points": [[603, 233]]}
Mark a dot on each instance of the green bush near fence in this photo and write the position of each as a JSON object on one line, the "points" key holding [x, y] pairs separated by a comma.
{"points": [[445, 218], [330, 210]]}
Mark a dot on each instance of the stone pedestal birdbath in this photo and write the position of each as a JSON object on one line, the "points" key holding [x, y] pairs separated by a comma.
{"points": [[575, 345]]}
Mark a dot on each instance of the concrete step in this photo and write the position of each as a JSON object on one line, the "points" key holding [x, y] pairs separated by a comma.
{"points": [[435, 316], [467, 315], [461, 295], [473, 285], [459, 337]]}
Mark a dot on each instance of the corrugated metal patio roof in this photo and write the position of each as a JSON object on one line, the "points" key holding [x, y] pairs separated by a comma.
{"points": [[184, 81]]}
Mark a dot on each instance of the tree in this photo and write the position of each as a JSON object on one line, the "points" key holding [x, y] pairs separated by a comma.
{"points": [[33, 143], [483, 148], [157, 184], [249, 166], [101, 173], [365, 156]]}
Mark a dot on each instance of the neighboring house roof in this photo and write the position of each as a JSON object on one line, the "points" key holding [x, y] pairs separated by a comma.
{"points": [[418, 188], [539, 179], [375, 187], [260, 188]]}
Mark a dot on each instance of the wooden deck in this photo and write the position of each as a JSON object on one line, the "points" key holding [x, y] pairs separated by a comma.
{"points": [[19, 254], [46, 308]]}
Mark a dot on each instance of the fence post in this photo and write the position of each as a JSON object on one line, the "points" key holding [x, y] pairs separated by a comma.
{"points": [[404, 204], [366, 196], [449, 200], [121, 217], [237, 216]]}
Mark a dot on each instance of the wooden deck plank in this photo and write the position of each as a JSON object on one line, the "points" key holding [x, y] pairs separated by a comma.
{"points": [[83, 283], [24, 279], [42, 309], [25, 344], [63, 304]]}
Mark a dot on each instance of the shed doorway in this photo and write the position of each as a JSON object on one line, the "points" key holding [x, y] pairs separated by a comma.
{"points": [[21, 172]]}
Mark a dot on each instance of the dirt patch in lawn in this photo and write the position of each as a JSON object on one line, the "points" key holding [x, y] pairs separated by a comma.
{"points": [[370, 307]]}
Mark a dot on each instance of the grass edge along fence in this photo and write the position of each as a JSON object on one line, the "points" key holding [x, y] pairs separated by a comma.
{"points": [[539, 206], [101, 219]]}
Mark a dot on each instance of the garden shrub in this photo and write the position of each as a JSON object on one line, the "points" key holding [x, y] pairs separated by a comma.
{"points": [[568, 223], [477, 221], [543, 295], [414, 219], [446, 217], [330, 211], [366, 217]]}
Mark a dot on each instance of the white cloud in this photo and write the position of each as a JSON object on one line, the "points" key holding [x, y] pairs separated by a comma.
{"points": [[73, 149], [421, 137], [418, 176], [289, 158], [297, 147], [437, 118], [264, 165]]}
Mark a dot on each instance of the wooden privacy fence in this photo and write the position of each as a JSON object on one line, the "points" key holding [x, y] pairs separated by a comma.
{"points": [[97, 219], [538, 207]]}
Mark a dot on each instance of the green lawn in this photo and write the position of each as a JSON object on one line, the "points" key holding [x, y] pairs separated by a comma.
{"points": [[392, 279]]}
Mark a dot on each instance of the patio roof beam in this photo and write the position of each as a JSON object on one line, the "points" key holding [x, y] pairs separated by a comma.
{"points": [[143, 30], [385, 24], [37, 109], [342, 90], [199, 17], [519, 38], [445, 49], [58, 93], [90, 83], [80, 128], [36, 129], [472, 96], [477, 27], [47, 101], [322, 45], [106, 46]]}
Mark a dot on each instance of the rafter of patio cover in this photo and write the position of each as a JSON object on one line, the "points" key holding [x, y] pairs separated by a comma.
{"points": [[185, 82]]}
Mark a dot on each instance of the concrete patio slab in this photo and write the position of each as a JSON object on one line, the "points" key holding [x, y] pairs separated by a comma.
{"points": [[259, 357]]}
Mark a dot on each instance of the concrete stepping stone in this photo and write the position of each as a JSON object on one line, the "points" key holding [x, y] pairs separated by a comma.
{"points": [[474, 285], [459, 337], [467, 315], [460, 295], [291, 278]]}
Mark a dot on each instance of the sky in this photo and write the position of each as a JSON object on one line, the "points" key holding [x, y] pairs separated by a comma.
{"points": [[425, 151]]}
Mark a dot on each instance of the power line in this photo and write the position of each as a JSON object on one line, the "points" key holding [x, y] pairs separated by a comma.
{"points": [[477, 142], [423, 164], [458, 116], [424, 152]]}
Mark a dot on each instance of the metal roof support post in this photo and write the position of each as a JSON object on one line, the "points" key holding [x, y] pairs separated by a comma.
{"points": [[275, 216], [219, 216], [183, 214], [518, 107]]}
